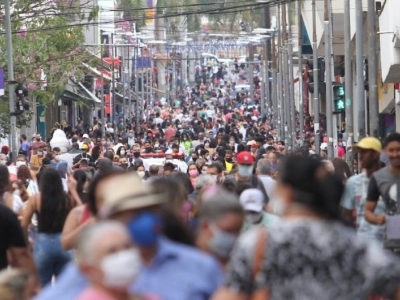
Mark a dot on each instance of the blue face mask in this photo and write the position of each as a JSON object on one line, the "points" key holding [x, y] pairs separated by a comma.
{"points": [[144, 229]]}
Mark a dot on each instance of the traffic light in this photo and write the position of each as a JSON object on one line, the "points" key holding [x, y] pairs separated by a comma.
{"points": [[320, 77], [21, 103], [339, 101]]}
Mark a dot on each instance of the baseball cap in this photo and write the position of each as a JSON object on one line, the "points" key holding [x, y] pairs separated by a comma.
{"points": [[135, 195], [369, 143], [5, 149], [245, 158], [324, 146], [252, 200], [84, 147], [85, 136]]}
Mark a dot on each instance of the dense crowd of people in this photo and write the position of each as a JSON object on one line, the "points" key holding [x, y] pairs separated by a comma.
{"points": [[201, 200]]}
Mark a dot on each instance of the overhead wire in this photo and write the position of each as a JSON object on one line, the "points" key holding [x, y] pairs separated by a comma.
{"points": [[226, 10]]}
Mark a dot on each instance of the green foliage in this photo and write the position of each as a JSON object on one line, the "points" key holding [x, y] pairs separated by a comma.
{"points": [[46, 49]]}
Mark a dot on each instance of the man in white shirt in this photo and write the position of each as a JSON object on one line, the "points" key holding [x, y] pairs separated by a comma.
{"points": [[264, 174]]}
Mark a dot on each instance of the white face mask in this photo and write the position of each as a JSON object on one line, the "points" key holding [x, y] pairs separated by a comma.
{"points": [[40, 153], [20, 163], [141, 174], [214, 177], [3, 162], [17, 192], [57, 157], [245, 170], [122, 152], [121, 268]]}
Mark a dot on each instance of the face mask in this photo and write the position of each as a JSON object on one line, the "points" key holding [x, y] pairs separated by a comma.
{"points": [[141, 173], [122, 152], [40, 153], [253, 218], [193, 173], [121, 268], [130, 135], [17, 192], [136, 154], [123, 166], [214, 177], [229, 159], [204, 172], [156, 145], [145, 229], [206, 145], [3, 162], [44, 152], [57, 157], [194, 159], [245, 171], [222, 242], [20, 163], [149, 149]]}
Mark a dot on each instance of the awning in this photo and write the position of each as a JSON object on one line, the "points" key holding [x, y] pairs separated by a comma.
{"points": [[99, 61], [96, 72], [68, 95], [88, 94]]}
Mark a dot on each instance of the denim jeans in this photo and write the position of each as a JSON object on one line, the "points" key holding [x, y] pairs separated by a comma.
{"points": [[50, 257]]}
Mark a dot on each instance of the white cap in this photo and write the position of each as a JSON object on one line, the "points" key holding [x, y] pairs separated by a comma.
{"points": [[252, 200], [324, 146], [85, 136]]}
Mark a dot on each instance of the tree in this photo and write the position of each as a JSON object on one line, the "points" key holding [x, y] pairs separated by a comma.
{"points": [[47, 47]]}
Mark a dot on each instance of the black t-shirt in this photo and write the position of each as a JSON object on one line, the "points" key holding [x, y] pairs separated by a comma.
{"points": [[11, 234]]}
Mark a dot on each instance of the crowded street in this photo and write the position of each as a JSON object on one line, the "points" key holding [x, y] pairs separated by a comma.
{"points": [[158, 152]]}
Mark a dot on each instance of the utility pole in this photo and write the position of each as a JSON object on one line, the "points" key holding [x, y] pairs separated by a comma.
{"points": [[281, 104], [300, 73], [372, 71], [328, 76], [267, 99], [10, 79], [137, 106], [348, 86], [317, 139], [291, 86], [360, 70], [288, 136]]}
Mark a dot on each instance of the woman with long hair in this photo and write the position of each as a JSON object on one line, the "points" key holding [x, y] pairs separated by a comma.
{"points": [[52, 206], [13, 202], [24, 175]]}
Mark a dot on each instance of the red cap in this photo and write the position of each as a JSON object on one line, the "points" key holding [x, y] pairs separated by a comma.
{"points": [[5, 149], [245, 158]]}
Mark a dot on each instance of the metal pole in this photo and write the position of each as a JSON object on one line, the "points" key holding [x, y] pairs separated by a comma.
{"points": [[291, 86], [103, 129], [372, 71], [288, 135], [10, 79], [137, 105], [267, 99], [317, 140], [174, 78], [281, 115], [329, 90], [360, 70], [328, 80], [129, 86], [262, 94], [300, 73], [274, 101], [348, 86]]}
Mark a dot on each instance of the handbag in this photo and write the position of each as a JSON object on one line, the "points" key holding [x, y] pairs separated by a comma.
{"points": [[261, 247]]}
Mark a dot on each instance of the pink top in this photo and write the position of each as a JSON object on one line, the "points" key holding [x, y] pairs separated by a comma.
{"points": [[92, 293]]}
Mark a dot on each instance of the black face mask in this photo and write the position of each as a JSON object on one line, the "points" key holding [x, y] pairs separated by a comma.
{"points": [[194, 159], [123, 166], [229, 160], [149, 149], [136, 154]]}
